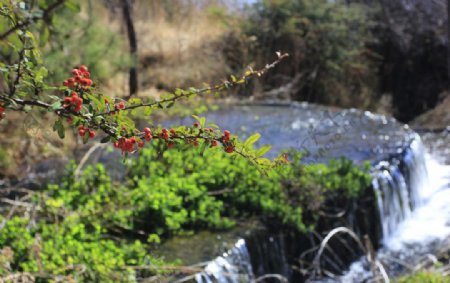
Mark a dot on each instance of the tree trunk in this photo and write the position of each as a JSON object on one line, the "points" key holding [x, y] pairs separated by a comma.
{"points": [[448, 41], [128, 18]]}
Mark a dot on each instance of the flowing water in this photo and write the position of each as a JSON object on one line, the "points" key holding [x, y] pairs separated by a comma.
{"points": [[411, 187]]}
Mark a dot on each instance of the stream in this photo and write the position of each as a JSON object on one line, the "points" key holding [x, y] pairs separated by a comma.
{"points": [[411, 183]]}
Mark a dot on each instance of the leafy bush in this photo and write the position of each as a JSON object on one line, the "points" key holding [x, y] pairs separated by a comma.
{"points": [[70, 248], [90, 228], [327, 43]]}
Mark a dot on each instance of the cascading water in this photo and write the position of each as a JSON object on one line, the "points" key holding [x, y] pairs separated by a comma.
{"points": [[413, 201], [413, 210], [233, 267], [397, 184]]}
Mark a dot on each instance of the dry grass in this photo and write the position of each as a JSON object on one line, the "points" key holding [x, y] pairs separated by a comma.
{"points": [[179, 47]]}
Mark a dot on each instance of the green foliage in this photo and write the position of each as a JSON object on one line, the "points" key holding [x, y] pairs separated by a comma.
{"points": [[169, 192], [90, 228], [88, 40], [69, 248], [424, 277], [327, 43]]}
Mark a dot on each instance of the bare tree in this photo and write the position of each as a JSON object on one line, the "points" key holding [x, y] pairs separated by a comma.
{"points": [[127, 9]]}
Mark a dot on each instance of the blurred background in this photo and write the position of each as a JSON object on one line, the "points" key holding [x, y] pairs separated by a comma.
{"points": [[387, 56]]}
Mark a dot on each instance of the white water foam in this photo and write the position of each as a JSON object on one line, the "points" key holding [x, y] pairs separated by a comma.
{"points": [[430, 221], [232, 267], [427, 224]]}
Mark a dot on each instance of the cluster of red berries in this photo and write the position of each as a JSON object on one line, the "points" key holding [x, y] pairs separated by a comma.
{"points": [[164, 134], [81, 77], [148, 134], [229, 148], [83, 131], [127, 144], [2, 112], [120, 105], [73, 100]]}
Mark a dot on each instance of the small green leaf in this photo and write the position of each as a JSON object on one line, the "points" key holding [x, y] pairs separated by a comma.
{"points": [[252, 139], [59, 128], [212, 125], [85, 138], [41, 74], [263, 150], [147, 111], [55, 106]]}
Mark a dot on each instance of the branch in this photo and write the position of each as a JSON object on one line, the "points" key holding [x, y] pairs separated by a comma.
{"points": [[226, 84], [26, 102], [28, 21]]}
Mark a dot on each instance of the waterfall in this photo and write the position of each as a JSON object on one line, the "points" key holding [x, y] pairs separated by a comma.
{"points": [[398, 183], [232, 267], [414, 211]]}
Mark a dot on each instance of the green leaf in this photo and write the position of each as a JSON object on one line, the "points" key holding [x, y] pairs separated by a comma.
{"points": [[263, 150], [135, 101], [55, 106], [85, 138], [212, 125], [201, 120], [252, 139], [147, 111], [72, 5], [179, 91], [59, 128], [41, 74]]}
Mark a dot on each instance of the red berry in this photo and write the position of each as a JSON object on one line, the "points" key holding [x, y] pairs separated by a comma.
{"points": [[75, 72], [92, 134], [196, 124], [82, 132], [120, 105], [71, 82], [229, 149], [83, 69], [78, 79], [170, 145], [66, 83], [69, 119], [226, 133], [141, 144], [86, 82], [87, 75], [213, 143]]}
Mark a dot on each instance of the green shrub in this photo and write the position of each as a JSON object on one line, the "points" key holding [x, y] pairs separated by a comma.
{"points": [[327, 42], [424, 277], [69, 248], [93, 229]]}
